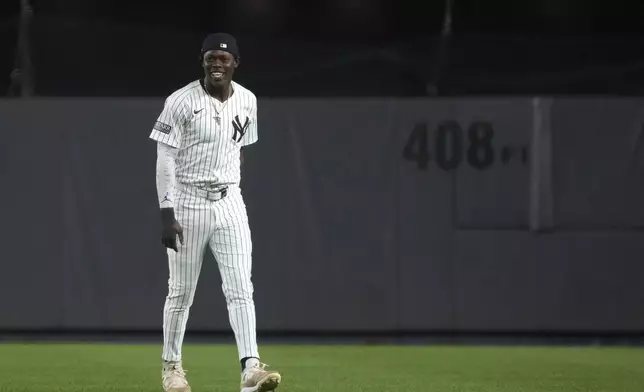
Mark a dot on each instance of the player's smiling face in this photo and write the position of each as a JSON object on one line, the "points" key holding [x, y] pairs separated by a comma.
{"points": [[219, 67]]}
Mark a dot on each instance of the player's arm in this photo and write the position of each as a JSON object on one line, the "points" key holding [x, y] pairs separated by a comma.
{"points": [[168, 127], [250, 136], [166, 180], [167, 132]]}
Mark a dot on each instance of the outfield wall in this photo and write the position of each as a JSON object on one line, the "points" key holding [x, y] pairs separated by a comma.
{"points": [[527, 215]]}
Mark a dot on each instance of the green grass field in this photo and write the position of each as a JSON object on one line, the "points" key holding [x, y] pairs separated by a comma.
{"points": [[213, 368]]}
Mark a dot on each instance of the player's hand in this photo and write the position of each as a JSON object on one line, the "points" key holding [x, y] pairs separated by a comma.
{"points": [[170, 229]]}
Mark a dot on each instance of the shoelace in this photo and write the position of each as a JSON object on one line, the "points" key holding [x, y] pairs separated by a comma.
{"points": [[252, 371], [177, 375], [261, 366]]}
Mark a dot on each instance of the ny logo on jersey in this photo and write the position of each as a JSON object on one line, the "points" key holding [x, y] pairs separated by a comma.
{"points": [[240, 130]]}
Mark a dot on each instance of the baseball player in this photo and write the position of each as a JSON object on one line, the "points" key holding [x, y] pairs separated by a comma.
{"points": [[200, 133]]}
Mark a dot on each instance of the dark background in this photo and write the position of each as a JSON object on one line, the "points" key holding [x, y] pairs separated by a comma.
{"points": [[335, 48]]}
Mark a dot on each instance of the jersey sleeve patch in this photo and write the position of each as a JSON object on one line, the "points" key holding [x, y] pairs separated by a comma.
{"points": [[162, 127]]}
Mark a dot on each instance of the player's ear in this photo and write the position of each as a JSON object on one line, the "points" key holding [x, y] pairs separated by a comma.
{"points": [[237, 60]]}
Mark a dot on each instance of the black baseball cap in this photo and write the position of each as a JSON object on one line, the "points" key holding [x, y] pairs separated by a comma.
{"points": [[220, 41]]}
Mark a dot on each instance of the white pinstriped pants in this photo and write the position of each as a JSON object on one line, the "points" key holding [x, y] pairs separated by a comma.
{"points": [[221, 226]]}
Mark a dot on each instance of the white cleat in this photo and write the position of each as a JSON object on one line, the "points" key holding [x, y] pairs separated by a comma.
{"points": [[258, 379], [173, 378]]}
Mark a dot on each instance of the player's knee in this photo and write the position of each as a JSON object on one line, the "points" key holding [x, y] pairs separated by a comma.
{"points": [[239, 296], [180, 297]]}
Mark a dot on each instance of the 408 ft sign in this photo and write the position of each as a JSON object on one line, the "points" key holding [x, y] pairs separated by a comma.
{"points": [[453, 146]]}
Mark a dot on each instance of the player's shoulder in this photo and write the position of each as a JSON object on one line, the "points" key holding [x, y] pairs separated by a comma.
{"points": [[245, 92], [184, 94]]}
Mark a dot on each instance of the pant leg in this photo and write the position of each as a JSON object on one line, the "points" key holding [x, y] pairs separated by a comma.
{"points": [[197, 220], [232, 248]]}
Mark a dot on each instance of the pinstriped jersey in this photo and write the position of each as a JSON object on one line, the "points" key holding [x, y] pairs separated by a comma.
{"points": [[208, 134]]}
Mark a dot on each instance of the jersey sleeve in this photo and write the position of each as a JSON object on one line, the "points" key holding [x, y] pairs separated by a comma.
{"points": [[168, 127], [251, 136]]}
